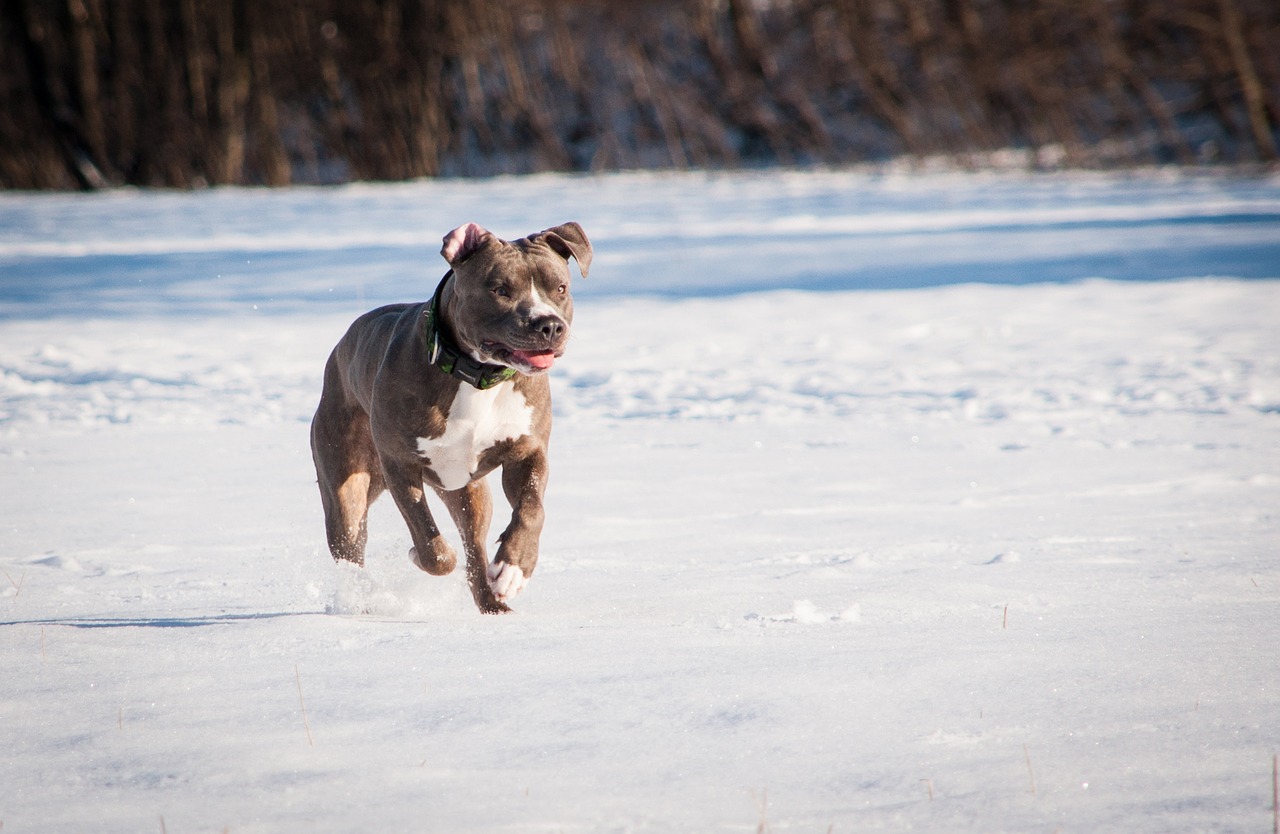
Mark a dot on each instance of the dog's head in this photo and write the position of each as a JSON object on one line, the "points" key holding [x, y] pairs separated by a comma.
{"points": [[509, 302]]}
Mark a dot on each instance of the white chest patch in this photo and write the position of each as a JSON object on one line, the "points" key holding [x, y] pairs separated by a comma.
{"points": [[477, 420]]}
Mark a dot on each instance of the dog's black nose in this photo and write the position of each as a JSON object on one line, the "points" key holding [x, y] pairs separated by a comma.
{"points": [[550, 328]]}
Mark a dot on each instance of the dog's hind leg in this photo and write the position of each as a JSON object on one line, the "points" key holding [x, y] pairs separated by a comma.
{"points": [[346, 501], [349, 476], [346, 517]]}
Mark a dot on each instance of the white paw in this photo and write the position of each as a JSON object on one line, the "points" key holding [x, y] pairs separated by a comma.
{"points": [[506, 580]]}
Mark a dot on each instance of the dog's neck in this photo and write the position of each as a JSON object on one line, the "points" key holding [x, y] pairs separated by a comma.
{"points": [[444, 353]]}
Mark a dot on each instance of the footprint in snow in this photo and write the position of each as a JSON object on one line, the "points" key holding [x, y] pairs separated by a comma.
{"points": [[805, 612]]}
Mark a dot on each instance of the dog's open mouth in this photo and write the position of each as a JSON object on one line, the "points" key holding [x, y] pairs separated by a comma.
{"points": [[525, 360]]}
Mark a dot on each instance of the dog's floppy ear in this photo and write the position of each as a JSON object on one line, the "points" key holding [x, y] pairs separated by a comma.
{"points": [[463, 241], [569, 241]]}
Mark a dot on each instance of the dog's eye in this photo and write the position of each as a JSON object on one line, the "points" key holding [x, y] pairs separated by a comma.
{"points": [[502, 292], [562, 289]]}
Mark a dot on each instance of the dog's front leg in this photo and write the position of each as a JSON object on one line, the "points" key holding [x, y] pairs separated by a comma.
{"points": [[430, 551], [472, 510], [523, 481]]}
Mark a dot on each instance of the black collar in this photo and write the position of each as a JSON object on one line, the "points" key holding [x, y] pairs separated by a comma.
{"points": [[446, 356]]}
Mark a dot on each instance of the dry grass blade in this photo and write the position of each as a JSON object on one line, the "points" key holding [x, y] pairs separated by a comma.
{"points": [[303, 705], [17, 586]]}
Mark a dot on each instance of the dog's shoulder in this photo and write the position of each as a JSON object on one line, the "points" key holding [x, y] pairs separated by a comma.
{"points": [[381, 326], [385, 316]]}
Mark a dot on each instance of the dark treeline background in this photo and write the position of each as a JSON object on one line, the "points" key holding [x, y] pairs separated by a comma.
{"points": [[193, 92]]}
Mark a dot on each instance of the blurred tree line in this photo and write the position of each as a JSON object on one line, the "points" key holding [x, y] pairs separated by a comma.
{"points": [[192, 92]]}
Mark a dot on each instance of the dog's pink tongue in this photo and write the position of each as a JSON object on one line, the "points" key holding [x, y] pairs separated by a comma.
{"points": [[540, 360]]}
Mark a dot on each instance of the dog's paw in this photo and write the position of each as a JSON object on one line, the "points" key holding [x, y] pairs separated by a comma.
{"points": [[506, 580], [440, 561]]}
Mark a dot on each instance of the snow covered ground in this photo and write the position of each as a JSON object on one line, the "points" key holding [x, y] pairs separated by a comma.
{"points": [[879, 502]]}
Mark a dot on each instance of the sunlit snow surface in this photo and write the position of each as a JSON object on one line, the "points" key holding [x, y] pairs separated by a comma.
{"points": [[879, 502]]}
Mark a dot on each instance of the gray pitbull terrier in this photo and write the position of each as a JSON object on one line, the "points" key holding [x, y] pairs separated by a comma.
{"points": [[444, 392]]}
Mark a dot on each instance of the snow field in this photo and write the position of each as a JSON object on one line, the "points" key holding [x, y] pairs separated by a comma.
{"points": [[822, 554]]}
